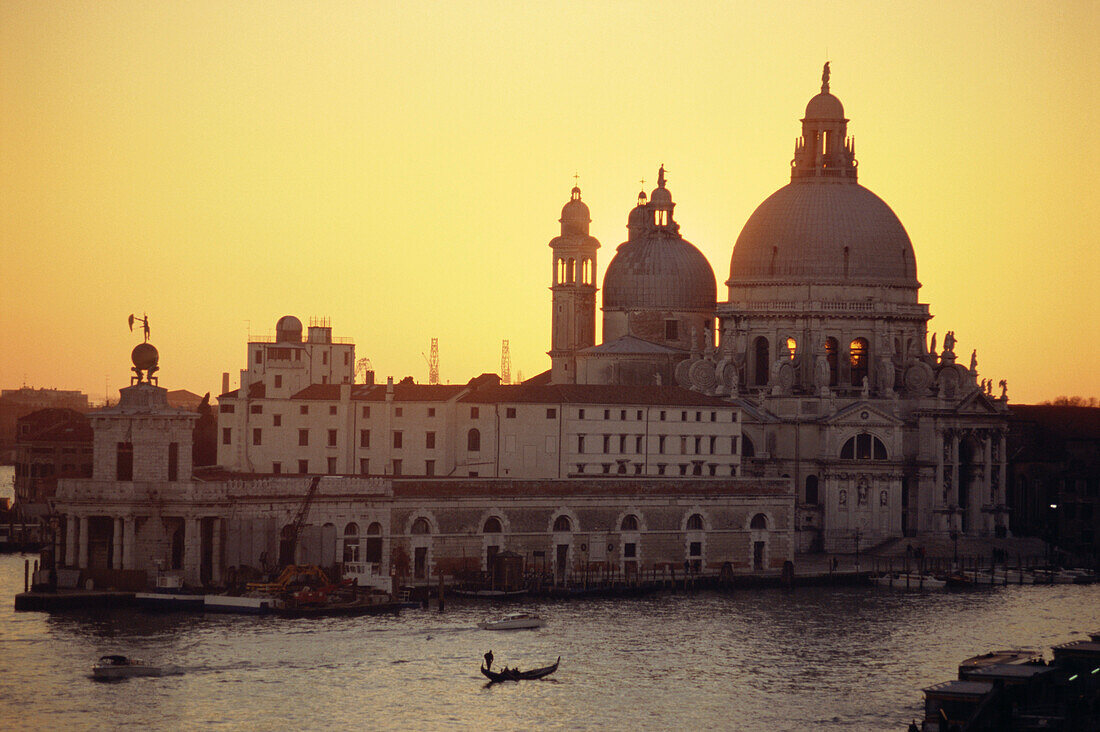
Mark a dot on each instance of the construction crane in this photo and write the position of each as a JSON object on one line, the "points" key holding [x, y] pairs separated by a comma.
{"points": [[505, 363], [433, 362], [290, 544]]}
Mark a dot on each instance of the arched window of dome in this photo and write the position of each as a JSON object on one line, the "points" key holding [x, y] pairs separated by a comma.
{"points": [[792, 346], [570, 271], [473, 441], [695, 522], [832, 347], [811, 490], [421, 526], [761, 362], [747, 448], [559, 271], [759, 521], [863, 446], [562, 523], [859, 360], [630, 523], [492, 526]]}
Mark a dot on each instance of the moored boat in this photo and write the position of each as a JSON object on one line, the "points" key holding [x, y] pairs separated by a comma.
{"points": [[246, 604], [513, 621]]}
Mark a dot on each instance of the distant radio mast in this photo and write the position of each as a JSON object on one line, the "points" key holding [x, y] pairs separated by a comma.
{"points": [[433, 362], [505, 363]]}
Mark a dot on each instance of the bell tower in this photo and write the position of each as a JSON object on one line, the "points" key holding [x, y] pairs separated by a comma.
{"points": [[573, 324]]}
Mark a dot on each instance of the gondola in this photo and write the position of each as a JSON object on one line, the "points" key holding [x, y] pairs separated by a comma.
{"points": [[517, 675]]}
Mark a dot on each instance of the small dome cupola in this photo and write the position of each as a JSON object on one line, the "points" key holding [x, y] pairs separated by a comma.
{"points": [[661, 205], [575, 216], [637, 221], [824, 151], [288, 330]]}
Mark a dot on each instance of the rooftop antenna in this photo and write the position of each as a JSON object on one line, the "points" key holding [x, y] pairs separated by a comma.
{"points": [[505, 363], [433, 362]]}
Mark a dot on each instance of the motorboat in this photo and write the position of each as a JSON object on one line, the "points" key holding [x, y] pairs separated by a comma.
{"points": [[514, 674], [513, 621], [121, 667]]}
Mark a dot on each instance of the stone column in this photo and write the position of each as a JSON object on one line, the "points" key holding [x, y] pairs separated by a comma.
{"points": [[956, 517], [128, 536], [1002, 468], [116, 544], [192, 547], [82, 550], [987, 485], [70, 540], [216, 552]]}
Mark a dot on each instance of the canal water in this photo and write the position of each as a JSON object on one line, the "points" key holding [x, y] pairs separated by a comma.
{"points": [[812, 658]]}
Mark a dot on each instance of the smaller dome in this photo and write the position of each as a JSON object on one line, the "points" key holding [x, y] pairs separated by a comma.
{"points": [[288, 330], [824, 106], [144, 356]]}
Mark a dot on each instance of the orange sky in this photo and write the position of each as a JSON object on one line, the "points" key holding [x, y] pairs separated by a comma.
{"points": [[400, 167]]}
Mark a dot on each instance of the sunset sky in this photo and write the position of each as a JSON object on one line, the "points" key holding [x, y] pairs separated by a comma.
{"points": [[400, 167]]}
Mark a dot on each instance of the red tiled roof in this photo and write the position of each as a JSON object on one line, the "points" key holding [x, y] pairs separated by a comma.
{"points": [[54, 425], [526, 392], [377, 392]]}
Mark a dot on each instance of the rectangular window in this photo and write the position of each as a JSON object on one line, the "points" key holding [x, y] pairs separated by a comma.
{"points": [[278, 381], [714, 416], [473, 473], [683, 470], [683, 416], [364, 466], [397, 440], [366, 412], [173, 461], [607, 414], [622, 443], [324, 358], [431, 411], [256, 409], [259, 356], [580, 443], [606, 467], [474, 412], [303, 466], [346, 358], [683, 446], [638, 439], [277, 468], [332, 409], [580, 467], [580, 414], [429, 467], [277, 420], [257, 436], [698, 416], [630, 550], [303, 438], [696, 549], [226, 408], [510, 413], [606, 444], [227, 435], [733, 446], [713, 444], [332, 438], [551, 413], [713, 468], [672, 330], [664, 415], [698, 446], [397, 466], [332, 466], [399, 411], [304, 409], [661, 444], [622, 414], [429, 440], [364, 438], [639, 415], [661, 468]]}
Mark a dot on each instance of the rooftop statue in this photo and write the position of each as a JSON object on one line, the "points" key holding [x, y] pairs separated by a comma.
{"points": [[825, 79]]}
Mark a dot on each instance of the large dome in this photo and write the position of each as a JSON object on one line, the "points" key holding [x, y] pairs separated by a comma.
{"points": [[827, 232], [659, 271]]}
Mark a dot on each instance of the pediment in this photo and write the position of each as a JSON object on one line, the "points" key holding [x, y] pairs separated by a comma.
{"points": [[861, 413], [977, 402]]}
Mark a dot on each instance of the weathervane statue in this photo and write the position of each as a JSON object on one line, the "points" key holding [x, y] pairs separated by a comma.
{"points": [[144, 356]]}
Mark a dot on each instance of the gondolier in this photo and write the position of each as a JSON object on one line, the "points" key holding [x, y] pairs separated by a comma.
{"points": [[489, 659]]}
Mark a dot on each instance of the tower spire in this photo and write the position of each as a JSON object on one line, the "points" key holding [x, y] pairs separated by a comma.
{"points": [[825, 79]]}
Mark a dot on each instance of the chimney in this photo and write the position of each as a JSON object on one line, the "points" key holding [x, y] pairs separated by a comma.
{"points": [[225, 382]]}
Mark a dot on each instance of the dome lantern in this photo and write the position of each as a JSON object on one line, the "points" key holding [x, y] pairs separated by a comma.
{"points": [[824, 150]]}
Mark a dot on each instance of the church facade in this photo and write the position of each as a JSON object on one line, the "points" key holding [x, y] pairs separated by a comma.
{"points": [[822, 344]]}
